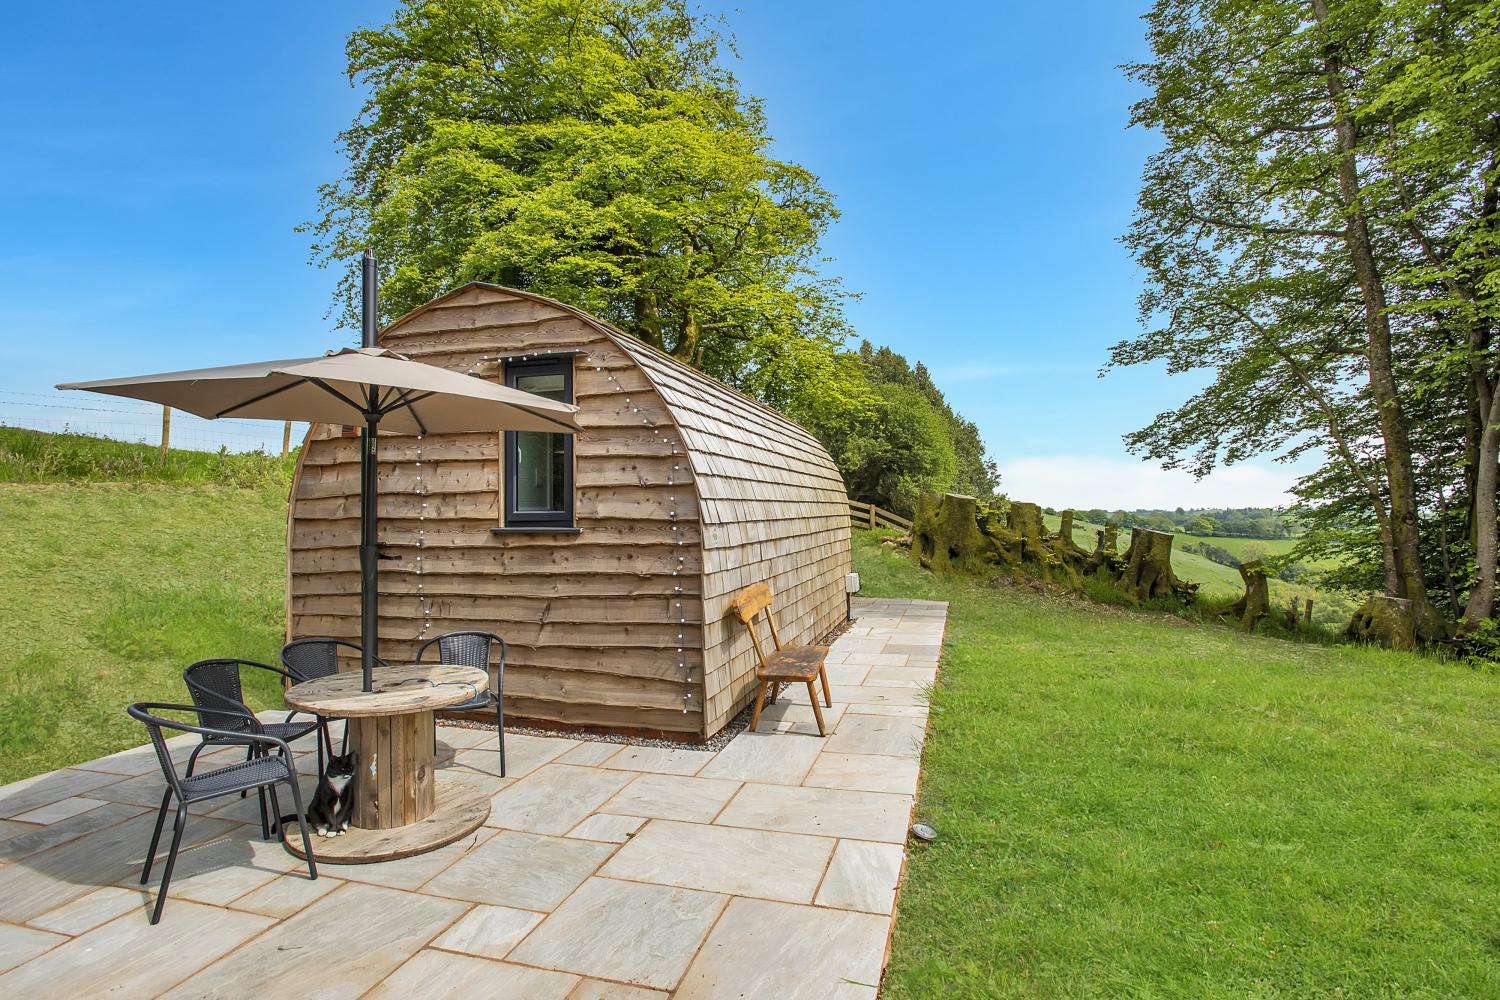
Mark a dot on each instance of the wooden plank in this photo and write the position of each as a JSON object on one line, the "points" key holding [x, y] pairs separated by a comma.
{"points": [[436, 533], [470, 476], [639, 560], [564, 610], [391, 795], [606, 716], [454, 320], [648, 635], [552, 585]]}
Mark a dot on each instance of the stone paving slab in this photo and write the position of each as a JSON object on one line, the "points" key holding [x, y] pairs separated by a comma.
{"points": [[607, 872]]}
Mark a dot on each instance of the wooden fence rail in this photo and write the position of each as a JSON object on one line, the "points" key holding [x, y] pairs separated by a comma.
{"points": [[867, 515]]}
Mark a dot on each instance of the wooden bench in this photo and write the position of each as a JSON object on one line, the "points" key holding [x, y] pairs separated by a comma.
{"points": [[784, 664]]}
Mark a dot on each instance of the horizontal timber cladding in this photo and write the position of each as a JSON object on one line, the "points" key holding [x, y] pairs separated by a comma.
{"points": [[684, 491]]}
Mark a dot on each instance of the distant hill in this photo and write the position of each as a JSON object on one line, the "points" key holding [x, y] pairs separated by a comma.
{"points": [[1210, 522]]}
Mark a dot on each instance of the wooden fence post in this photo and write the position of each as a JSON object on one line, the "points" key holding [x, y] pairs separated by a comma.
{"points": [[872, 516], [166, 428], [286, 439]]}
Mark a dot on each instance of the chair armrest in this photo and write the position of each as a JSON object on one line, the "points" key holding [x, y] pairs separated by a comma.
{"points": [[258, 735]]}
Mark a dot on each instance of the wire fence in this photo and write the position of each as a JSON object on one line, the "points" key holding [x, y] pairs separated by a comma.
{"points": [[139, 422]]}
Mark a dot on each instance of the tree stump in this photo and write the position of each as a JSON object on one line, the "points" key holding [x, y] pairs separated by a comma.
{"points": [[945, 534], [1004, 543], [1063, 544], [1148, 568], [1026, 522], [1386, 621], [1106, 548], [1256, 603]]}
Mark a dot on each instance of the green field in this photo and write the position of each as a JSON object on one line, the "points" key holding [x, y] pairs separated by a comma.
{"points": [[1217, 581], [28, 456], [109, 591], [1130, 805]]}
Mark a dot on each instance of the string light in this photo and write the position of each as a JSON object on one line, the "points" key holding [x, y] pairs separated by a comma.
{"points": [[423, 600], [679, 565]]}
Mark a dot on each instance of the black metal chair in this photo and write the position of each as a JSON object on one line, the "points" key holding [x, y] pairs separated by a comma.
{"points": [[472, 649], [309, 659], [263, 771], [218, 695]]}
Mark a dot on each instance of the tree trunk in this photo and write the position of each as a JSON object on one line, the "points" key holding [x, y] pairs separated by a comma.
{"points": [[1148, 567], [1106, 548], [945, 535], [686, 348], [1026, 522], [1256, 603], [1063, 544], [1386, 621], [1392, 421], [1442, 527], [648, 319], [1481, 604]]}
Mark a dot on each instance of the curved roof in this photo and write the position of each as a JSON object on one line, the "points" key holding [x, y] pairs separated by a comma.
{"points": [[752, 465]]}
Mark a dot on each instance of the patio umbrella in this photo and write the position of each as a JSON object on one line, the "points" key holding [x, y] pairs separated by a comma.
{"points": [[368, 385]]}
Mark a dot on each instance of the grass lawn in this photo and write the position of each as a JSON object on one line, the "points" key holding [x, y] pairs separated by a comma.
{"points": [[1128, 805], [1135, 806], [109, 591]]}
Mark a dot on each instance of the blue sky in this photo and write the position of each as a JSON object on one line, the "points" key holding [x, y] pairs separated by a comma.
{"points": [[160, 156]]}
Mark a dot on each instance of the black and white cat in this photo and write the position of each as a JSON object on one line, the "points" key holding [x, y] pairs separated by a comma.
{"points": [[333, 802]]}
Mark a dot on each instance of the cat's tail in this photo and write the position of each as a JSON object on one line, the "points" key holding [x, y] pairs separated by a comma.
{"points": [[282, 821]]}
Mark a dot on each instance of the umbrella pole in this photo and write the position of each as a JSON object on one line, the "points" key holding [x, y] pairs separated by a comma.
{"points": [[369, 550], [369, 547]]}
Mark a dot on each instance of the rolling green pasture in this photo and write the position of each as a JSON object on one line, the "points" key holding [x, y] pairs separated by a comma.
{"points": [[1130, 805], [1218, 582], [110, 590]]}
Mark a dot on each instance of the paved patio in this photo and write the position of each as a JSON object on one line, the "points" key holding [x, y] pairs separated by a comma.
{"points": [[606, 872]]}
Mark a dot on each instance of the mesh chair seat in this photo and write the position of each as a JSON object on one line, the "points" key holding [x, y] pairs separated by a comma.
{"points": [[236, 777], [283, 730]]}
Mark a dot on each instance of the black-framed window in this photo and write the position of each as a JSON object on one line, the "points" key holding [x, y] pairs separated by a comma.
{"points": [[539, 465]]}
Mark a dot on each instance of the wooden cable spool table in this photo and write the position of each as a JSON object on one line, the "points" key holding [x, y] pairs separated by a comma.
{"points": [[401, 807]]}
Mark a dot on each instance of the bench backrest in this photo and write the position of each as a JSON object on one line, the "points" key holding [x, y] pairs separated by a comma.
{"points": [[750, 602]]}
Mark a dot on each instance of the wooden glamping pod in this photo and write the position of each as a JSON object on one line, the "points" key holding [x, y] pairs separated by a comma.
{"points": [[606, 560]]}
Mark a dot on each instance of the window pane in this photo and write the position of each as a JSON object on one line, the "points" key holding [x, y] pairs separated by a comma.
{"points": [[552, 386], [540, 471]]}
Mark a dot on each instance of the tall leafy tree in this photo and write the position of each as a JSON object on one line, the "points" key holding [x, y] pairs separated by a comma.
{"points": [[1298, 228], [592, 150], [597, 151]]}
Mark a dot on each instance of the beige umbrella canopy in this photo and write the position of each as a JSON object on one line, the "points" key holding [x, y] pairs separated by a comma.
{"points": [[368, 385], [411, 397]]}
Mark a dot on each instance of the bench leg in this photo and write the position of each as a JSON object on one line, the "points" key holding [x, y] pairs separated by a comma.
{"points": [[812, 696], [827, 698], [760, 699]]}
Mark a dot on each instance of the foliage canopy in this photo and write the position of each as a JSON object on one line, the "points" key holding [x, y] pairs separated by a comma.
{"points": [[599, 152]]}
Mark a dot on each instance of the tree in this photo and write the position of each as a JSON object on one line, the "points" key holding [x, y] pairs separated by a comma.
{"points": [[895, 452], [1299, 229], [1203, 525], [598, 152], [595, 151]]}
